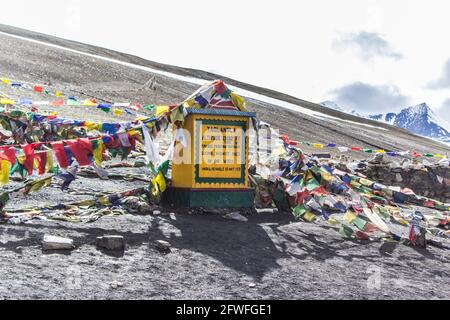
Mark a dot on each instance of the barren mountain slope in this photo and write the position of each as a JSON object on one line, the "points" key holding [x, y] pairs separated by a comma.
{"points": [[105, 79]]}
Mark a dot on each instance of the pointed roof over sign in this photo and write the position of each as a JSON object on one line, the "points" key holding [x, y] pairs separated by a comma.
{"points": [[215, 95]]}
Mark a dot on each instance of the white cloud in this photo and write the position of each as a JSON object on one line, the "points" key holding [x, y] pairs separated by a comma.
{"points": [[368, 45], [444, 112], [369, 98], [444, 81]]}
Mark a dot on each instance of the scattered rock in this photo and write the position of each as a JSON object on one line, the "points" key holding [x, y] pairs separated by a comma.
{"points": [[162, 245], [111, 242], [236, 216], [322, 155], [267, 210], [56, 243], [144, 207], [252, 285], [156, 213], [116, 285]]}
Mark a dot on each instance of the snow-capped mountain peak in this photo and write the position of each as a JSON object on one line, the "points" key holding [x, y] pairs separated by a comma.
{"points": [[419, 119]]}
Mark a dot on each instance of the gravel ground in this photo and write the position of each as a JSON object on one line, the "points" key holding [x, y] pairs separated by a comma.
{"points": [[269, 257]]}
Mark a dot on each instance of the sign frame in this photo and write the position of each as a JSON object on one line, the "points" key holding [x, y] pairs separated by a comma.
{"points": [[242, 124]]}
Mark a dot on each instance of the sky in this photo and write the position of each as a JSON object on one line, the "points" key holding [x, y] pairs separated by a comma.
{"points": [[369, 55]]}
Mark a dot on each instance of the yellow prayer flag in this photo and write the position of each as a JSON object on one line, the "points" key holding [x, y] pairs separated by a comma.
{"points": [[381, 151], [309, 216], [118, 112], [349, 217], [58, 94], [365, 182], [92, 126], [21, 160], [39, 184], [161, 181], [89, 103], [49, 163], [238, 102], [104, 201], [440, 156], [309, 175], [6, 101], [4, 172], [176, 115], [160, 110], [318, 146], [86, 203], [189, 103], [5, 81], [98, 152], [333, 222], [326, 176]]}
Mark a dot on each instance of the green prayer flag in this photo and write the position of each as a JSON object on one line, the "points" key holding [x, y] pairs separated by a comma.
{"points": [[359, 223], [312, 184], [71, 102], [164, 167], [17, 167], [149, 107], [346, 231], [299, 211]]}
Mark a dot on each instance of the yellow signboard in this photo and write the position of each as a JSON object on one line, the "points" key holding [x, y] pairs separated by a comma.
{"points": [[222, 151], [210, 162], [216, 155]]}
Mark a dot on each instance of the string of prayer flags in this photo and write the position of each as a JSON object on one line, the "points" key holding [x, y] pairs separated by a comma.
{"points": [[344, 149]]}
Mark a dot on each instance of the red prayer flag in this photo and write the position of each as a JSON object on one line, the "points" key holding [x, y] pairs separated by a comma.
{"points": [[8, 153], [320, 191], [41, 159], [80, 149], [361, 235], [58, 103], [58, 149], [38, 89], [301, 196], [220, 87], [28, 149]]}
